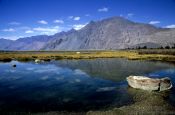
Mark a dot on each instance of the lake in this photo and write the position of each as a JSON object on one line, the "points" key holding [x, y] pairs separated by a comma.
{"points": [[74, 85]]}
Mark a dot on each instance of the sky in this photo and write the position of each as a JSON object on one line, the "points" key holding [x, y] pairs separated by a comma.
{"points": [[24, 18]]}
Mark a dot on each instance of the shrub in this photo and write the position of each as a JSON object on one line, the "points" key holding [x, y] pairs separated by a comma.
{"points": [[167, 47]]}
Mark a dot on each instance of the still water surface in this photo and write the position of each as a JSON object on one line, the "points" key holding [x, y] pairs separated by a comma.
{"points": [[73, 85]]}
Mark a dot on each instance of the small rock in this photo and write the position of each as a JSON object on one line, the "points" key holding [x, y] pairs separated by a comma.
{"points": [[37, 61], [77, 52], [14, 65]]}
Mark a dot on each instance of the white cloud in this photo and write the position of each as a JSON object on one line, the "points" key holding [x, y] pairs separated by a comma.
{"points": [[170, 26], [87, 15], [76, 18], [11, 37], [104, 9], [103, 89], [14, 23], [154, 22], [79, 72], [43, 22], [79, 26], [29, 31], [58, 21], [48, 30], [44, 29], [121, 15], [44, 78], [71, 17], [129, 15], [56, 27], [23, 28], [9, 30]]}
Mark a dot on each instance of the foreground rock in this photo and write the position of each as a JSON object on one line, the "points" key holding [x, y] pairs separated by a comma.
{"points": [[146, 83]]}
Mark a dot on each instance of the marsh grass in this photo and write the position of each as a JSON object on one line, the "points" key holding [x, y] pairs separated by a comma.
{"points": [[155, 55], [157, 51]]}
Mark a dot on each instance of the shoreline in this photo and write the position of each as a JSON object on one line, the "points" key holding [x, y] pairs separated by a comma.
{"points": [[149, 54]]}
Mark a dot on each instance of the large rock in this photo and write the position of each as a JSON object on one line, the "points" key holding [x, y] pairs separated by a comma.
{"points": [[146, 83]]}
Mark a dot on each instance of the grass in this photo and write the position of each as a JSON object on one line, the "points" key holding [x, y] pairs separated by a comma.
{"points": [[156, 55], [157, 51]]}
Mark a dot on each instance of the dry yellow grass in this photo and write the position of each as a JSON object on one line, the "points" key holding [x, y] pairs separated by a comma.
{"points": [[57, 55]]}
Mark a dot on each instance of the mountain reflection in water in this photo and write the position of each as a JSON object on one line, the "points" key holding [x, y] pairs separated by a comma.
{"points": [[71, 85]]}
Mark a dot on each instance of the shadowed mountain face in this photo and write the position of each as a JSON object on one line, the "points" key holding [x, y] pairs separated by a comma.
{"points": [[4, 43], [28, 43], [111, 33]]}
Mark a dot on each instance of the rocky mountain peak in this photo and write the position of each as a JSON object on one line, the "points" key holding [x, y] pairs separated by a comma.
{"points": [[111, 33]]}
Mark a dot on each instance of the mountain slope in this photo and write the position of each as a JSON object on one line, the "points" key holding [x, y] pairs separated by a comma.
{"points": [[28, 43], [4, 43], [111, 33]]}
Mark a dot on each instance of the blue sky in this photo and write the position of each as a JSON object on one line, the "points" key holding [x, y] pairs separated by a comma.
{"points": [[22, 18]]}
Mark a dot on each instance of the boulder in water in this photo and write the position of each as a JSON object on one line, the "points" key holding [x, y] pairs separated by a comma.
{"points": [[152, 84]]}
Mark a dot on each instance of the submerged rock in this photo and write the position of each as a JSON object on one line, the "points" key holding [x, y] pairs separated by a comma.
{"points": [[152, 84], [14, 65]]}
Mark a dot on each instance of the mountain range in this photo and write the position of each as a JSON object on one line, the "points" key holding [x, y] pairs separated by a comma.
{"points": [[112, 33]]}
